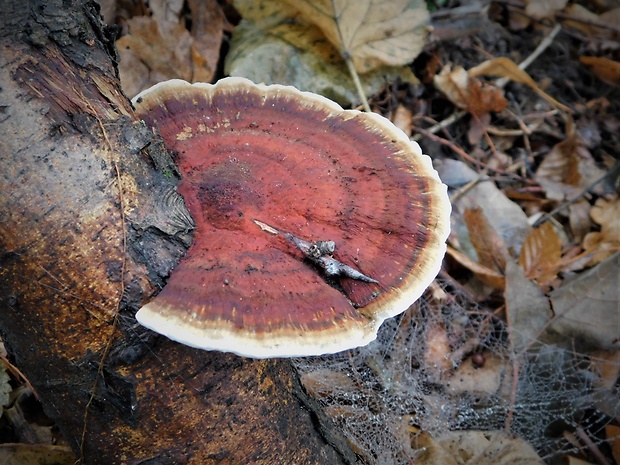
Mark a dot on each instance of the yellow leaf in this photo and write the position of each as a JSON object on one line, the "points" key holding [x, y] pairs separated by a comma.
{"points": [[371, 32]]}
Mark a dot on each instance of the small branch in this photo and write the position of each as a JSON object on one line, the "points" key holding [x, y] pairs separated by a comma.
{"points": [[320, 254], [464, 154]]}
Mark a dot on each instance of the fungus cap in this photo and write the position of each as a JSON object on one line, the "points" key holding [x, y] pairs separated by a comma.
{"points": [[270, 176]]}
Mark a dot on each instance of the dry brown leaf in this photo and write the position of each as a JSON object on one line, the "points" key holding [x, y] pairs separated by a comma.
{"points": [[491, 251], [605, 242], [504, 215], [576, 461], [611, 17], [561, 164], [471, 447], [486, 275], [489, 379], [527, 307], [325, 382], [541, 253], [613, 438], [579, 219], [159, 47], [477, 129], [208, 24], [539, 9], [505, 67], [403, 119], [438, 350], [582, 13], [36, 454], [469, 93], [605, 69], [586, 308], [371, 33], [161, 56], [568, 168]]}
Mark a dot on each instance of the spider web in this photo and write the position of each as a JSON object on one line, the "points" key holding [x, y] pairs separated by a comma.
{"points": [[447, 366]]}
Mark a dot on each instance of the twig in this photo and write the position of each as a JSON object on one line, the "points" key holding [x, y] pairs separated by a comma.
{"points": [[464, 154], [591, 446], [544, 44], [453, 118], [19, 375], [108, 346]]}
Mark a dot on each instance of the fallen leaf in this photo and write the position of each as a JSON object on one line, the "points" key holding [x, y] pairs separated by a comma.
{"points": [[527, 307], [567, 169], [371, 33], [540, 9], [490, 249], [541, 253], [613, 438], [488, 276], [586, 308], [477, 129], [469, 93], [605, 366], [471, 447], [579, 219], [605, 69], [325, 382], [587, 18], [487, 380], [505, 67], [403, 119], [5, 387], [159, 47], [437, 354], [576, 461], [274, 46], [208, 24], [161, 56], [36, 454], [582, 13], [505, 216], [605, 242]]}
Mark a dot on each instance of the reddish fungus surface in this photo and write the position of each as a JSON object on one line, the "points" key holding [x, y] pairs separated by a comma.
{"points": [[307, 168]]}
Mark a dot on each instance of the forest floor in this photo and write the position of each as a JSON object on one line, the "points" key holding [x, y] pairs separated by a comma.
{"points": [[518, 106]]}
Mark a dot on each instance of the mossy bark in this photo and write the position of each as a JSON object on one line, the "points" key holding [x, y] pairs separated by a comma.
{"points": [[90, 227]]}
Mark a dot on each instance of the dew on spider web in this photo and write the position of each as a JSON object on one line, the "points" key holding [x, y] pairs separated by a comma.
{"points": [[420, 378]]}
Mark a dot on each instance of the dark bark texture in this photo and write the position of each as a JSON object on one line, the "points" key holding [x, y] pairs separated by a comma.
{"points": [[90, 227]]}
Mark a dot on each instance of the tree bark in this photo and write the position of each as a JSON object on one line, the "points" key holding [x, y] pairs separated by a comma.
{"points": [[90, 227]]}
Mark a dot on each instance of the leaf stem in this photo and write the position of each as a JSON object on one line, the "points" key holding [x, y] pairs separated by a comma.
{"points": [[358, 84]]}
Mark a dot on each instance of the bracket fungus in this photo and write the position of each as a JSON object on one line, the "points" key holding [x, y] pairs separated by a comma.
{"points": [[313, 224]]}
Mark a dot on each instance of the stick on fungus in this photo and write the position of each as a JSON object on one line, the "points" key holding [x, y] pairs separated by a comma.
{"points": [[313, 224]]}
